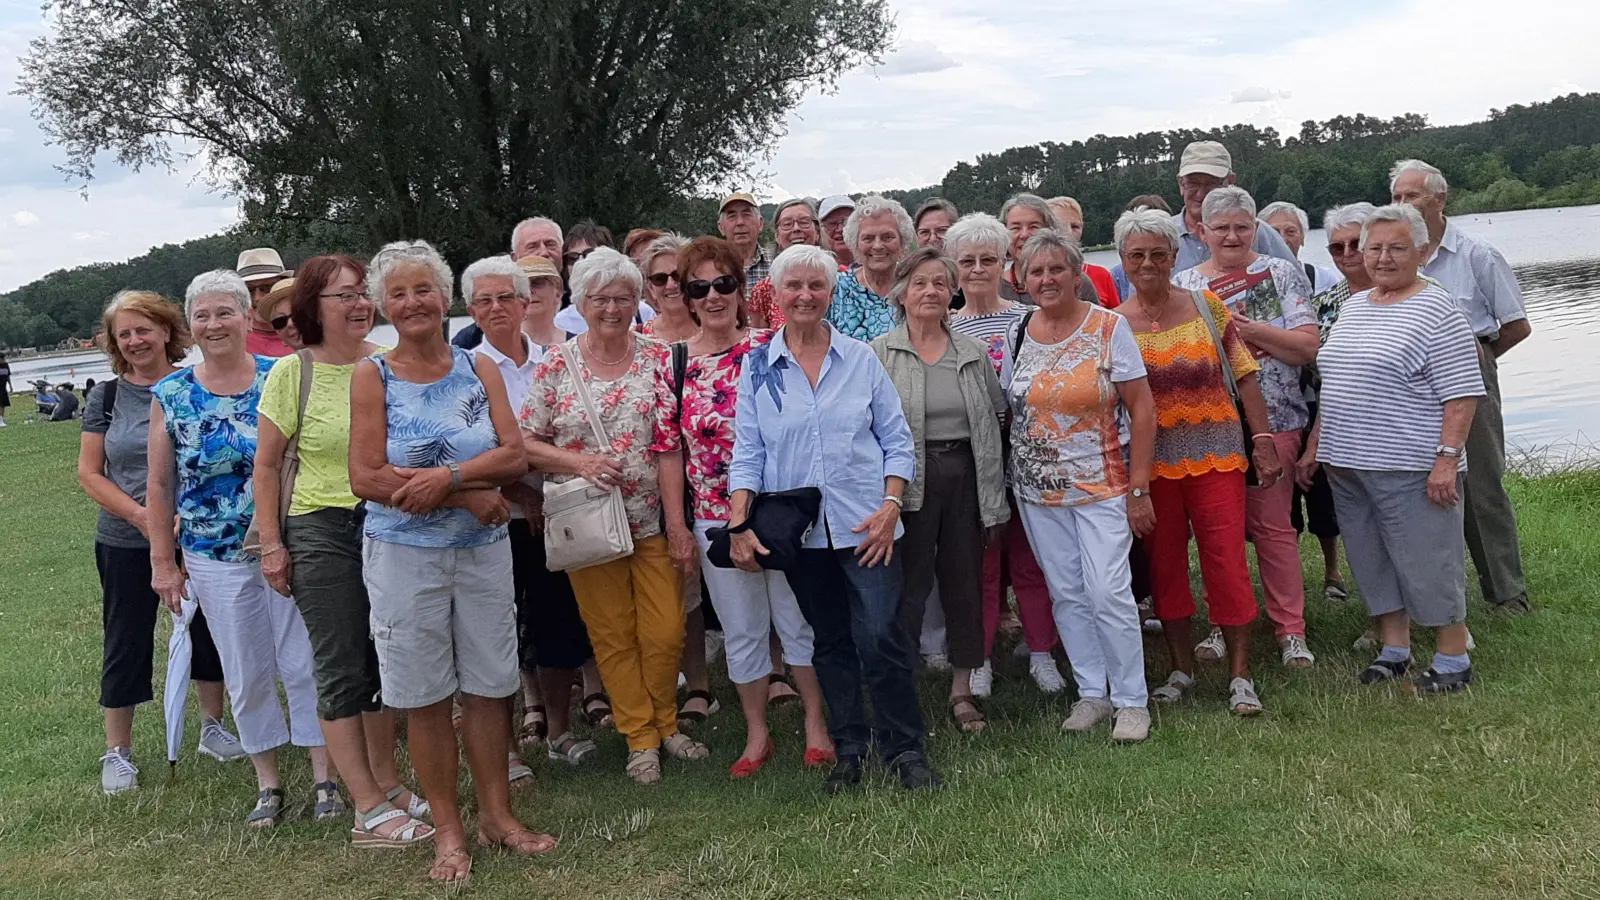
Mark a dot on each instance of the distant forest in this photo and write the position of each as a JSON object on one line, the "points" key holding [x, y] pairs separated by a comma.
{"points": [[1538, 155]]}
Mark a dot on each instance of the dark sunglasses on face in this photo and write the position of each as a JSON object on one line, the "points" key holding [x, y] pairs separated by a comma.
{"points": [[1340, 249], [723, 284], [572, 256], [279, 323], [660, 279]]}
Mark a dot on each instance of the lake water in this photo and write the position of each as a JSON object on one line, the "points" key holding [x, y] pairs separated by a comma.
{"points": [[1550, 383]]}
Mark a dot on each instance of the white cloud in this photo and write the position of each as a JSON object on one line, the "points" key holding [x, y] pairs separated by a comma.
{"points": [[24, 219], [917, 58], [1258, 95]]}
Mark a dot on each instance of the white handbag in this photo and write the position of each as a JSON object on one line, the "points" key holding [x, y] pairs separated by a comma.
{"points": [[584, 524]]}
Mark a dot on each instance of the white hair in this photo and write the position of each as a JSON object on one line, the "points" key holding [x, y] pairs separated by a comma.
{"points": [[804, 256], [218, 281], [1029, 201], [494, 267], [1283, 206], [1433, 179], [1227, 199], [979, 230], [602, 266], [1404, 213], [873, 205], [1345, 216], [399, 253], [536, 220], [1146, 220], [1050, 240]]}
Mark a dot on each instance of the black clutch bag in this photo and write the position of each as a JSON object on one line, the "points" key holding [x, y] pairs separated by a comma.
{"points": [[781, 520]]}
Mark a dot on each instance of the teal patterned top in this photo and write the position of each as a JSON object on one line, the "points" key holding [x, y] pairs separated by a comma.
{"points": [[858, 311]]}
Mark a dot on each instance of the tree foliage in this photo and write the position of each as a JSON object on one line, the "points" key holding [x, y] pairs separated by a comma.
{"points": [[447, 120]]}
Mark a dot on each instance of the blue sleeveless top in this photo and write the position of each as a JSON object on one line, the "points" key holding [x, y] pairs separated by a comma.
{"points": [[446, 421]]}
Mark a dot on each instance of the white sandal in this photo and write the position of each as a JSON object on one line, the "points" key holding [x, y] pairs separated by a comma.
{"points": [[416, 807], [365, 833], [568, 748], [644, 766], [1177, 685], [1244, 701], [681, 746]]}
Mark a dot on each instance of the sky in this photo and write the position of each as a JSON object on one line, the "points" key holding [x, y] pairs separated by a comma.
{"points": [[964, 78]]}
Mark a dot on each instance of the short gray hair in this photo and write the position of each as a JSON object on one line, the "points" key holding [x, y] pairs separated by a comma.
{"points": [[804, 256], [1433, 179], [977, 230], [1283, 206], [1029, 201], [667, 243], [908, 266], [1405, 214], [400, 253], [536, 220], [872, 206], [1355, 214], [936, 204], [1228, 198], [602, 266], [494, 267], [217, 281], [1051, 240], [1146, 220]]}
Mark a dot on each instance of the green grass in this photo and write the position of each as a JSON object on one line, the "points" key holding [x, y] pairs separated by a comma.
{"points": [[1338, 791]]}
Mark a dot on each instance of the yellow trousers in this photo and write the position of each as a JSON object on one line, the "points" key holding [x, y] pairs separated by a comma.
{"points": [[633, 608]]}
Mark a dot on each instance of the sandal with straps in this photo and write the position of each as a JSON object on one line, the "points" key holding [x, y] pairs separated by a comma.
{"points": [[598, 716], [644, 766], [520, 841], [681, 746], [365, 833], [416, 807], [687, 717], [972, 721], [326, 802], [1244, 701], [786, 693], [457, 874], [1176, 685], [268, 810], [568, 748], [535, 726]]}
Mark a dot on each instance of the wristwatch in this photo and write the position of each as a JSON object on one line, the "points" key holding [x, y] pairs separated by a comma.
{"points": [[1452, 452], [895, 500], [455, 475], [1136, 493]]}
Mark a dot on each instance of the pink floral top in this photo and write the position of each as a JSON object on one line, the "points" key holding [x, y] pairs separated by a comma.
{"points": [[710, 388], [638, 411]]}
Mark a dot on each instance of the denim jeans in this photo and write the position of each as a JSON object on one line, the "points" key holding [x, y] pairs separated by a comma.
{"points": [[854, 612]]}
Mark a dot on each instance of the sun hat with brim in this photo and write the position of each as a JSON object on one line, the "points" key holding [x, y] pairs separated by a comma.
{"points": [[280, 290], [1206, 158], [536, 267], [738, 197], [260, 263], [833, 204]]}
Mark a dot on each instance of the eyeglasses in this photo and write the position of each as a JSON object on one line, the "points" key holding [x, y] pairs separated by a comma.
{"points": [[699, 288], [497, 299], [617, 302], [1340, 248], [660, 279], [1394, 251], [345, 297], [279, 323], [572, 256]]}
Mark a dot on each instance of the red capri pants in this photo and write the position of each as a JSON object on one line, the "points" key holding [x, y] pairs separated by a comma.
{"points": [[1212, 505]]}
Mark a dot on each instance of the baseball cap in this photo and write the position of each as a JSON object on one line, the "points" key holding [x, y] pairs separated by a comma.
{"points": [[833, 203], [739, 197], [1206, 157], [539, 267], [262, 262]]}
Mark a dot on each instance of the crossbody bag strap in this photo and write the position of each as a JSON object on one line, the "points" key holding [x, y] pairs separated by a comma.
{"points": [[306, 371], [1216, 338], [576, 369]]}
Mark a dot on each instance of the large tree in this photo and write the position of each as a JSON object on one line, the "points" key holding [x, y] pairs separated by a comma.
{"points": [[443, 119]]}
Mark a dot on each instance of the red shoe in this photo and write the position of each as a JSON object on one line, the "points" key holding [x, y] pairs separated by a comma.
{"points": [[816, 757], [744, 768]]}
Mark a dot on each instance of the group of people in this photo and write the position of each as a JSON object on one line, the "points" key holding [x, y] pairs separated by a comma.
{"points": [[444, 529]]}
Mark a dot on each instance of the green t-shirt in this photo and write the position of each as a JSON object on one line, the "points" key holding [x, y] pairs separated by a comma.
{"points": [[324, 478]]}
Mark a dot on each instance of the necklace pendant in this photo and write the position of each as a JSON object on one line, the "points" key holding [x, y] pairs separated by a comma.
{"points": [[1155, 326]]}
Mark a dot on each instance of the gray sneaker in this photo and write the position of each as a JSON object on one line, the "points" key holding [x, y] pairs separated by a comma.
{"points": [[1131, 725], [1086, 714], [117, 771], [218, 742]]}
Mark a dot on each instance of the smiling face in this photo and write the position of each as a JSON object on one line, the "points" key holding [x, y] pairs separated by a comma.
{"points": [[1231, 236], [539, 239], [927, 296], [1391, 258], [1344, 245], [353, 319], [1148, 261], [218, 324], [414, 302], [833, 230], [1022, 223], [979, 269], [140, 340], [609, 309], [1050, 281], [803, 295], [878, 245], [795, 226], [277, 314], [740, 223], [716, 310], [666, 298], [1287, 225], [496, 308], [931, 229]]}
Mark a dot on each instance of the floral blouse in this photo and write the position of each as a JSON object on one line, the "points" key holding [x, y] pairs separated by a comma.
{"points": [[710, 389], [638, 411], [763, 302]]}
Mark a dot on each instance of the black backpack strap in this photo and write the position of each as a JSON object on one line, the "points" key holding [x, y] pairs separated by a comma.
{"points": [[1311, 276], [680, 367], [1022, 332], [108, 401]]}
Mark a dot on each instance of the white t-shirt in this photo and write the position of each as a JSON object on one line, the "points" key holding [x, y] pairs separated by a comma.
{"points": [[518, 379]]}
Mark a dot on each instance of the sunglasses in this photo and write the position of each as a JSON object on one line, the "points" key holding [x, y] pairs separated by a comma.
{"points": [[279, 323], [572, 256], [723, 284], [660, 279], [1338, 248]]}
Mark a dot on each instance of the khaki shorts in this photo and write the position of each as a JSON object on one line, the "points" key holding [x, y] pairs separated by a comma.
{"points": [[443, 619]]}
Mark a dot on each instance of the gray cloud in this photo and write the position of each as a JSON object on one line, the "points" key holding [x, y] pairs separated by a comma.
{"points": [[1258, 95], [917, 58]]}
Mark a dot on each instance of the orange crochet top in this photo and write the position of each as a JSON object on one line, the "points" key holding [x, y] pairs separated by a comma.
{"points": [[1197, 426]]}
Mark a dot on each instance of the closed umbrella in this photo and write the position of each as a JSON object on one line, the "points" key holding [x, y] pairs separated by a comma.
{"points": [[179, 651]]}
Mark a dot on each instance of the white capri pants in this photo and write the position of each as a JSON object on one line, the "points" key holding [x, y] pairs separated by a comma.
{"points": [[750, 605], [261, 640], [1083, 551]]}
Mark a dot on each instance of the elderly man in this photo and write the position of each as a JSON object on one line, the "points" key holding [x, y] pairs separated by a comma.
{"points": [[740, 223], [833, 212], [262, 268], [1484, 286], [1204, 167], [537, 236]]}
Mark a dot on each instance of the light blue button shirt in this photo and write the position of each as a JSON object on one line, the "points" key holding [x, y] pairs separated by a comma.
{"points": [[1194, 251], [1480, 280], [845, 436]]}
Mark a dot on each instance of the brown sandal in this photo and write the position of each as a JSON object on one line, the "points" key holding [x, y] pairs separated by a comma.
{"points": [[971, 721], [520, 841], [453, 873], [535, 727]]}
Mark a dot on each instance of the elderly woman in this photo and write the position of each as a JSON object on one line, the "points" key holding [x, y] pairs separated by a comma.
{"points": [[275, 309], [314, 554], [794, 222], [633, 606], [750, 604], [879, 233], [658, 261], [1023, 216], [544, 301], [1268, 301], [816, 409], [978, 243], [432, 439], [202, 450], [143, 335], [1080, 401], [934, 217], [956, 504], [1400, 383], [1198, 487]]}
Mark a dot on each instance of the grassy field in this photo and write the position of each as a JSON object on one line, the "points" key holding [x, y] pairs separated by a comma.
{"points": [[1338, 791]]}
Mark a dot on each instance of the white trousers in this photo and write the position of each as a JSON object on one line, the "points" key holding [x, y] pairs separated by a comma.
{"points": [[261, 640], [751, 605], [1083, 551], [932, 639]]}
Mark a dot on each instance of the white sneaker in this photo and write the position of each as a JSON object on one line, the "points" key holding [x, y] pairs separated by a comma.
{"points": [[218, 742], [1132, 725], [1086, 714], [936, 662], [1212, 647], [117, 772], [1296, 655], [981, 683], [1046, 675]]}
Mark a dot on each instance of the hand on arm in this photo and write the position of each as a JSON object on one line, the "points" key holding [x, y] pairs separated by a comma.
{"points": [[878, 546], [1263, 449], [1444, 481], [744, 547], [1306, 468], [270, 446], [1141, 406], [371, 476], [1294, 346]]}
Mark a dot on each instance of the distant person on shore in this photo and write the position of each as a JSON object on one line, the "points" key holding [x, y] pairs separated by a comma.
{"points": [[261, 270], [833, 212], [1204, 167], [5, 389], [1119, 276], [739, 222], [794, 222], [1070, 213], [66, 403], [1485, 288], [933, 218]]}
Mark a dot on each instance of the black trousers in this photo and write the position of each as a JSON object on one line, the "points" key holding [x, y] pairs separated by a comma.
{"points": [[550, 632], [128, 611]]}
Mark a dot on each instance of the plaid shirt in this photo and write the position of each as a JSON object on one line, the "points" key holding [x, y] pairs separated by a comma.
{"points": [[757, 270]]}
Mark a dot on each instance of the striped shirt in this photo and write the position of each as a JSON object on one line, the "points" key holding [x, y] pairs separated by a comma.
{"points": [[994, 331], [1387, 371]]}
